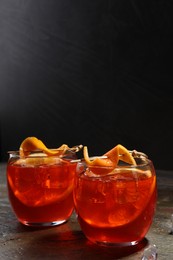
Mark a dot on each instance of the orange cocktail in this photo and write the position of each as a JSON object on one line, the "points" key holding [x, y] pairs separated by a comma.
{"points": [[116, 207], [40, 183], [40, 191]]}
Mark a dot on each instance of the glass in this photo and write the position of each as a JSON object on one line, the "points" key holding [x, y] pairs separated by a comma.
{"points": [[40, 188], [116, 208]]}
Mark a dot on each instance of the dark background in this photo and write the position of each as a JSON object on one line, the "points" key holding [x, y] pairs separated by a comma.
{"points": [[94, 72]]}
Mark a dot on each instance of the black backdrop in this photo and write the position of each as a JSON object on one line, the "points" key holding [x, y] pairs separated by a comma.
{"points": [[96, 72]]}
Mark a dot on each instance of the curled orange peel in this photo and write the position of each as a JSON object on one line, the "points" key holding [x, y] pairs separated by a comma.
{"points": [[31, 144], [120, 153], [97, 161], [110, 159]]}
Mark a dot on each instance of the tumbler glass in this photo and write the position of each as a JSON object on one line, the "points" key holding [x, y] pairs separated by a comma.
{"points": [[117, 208], [40, 188]]}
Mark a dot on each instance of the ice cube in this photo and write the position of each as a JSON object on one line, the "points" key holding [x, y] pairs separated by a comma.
{"points": [[150, 253]]}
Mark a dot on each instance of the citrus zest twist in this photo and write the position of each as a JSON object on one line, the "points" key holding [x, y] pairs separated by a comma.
{"points": [[31, 144], [111, 159]]}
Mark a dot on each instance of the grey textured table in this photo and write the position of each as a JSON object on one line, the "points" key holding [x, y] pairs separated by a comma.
{"points": [[68, 242]]}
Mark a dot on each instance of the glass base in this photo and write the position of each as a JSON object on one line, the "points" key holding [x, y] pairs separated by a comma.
{"points": [[43, 224], [116, 244]]}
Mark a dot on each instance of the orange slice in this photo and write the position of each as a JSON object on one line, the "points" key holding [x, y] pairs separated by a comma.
{"points": [[38, 159], [31, 144], [113, 156], [38, 196]]}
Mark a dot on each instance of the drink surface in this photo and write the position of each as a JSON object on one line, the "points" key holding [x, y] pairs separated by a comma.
{"points": [[116, 207], [41, 192]]}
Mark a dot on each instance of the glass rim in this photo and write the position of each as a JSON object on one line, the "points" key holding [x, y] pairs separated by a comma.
{"points": [[136, 155], [72, 150], [31, 154], [39, 154], [121, 165], [145, 166]]}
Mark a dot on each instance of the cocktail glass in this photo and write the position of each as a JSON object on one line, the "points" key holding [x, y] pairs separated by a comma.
{"points": [[116, 208], [40, 188]]}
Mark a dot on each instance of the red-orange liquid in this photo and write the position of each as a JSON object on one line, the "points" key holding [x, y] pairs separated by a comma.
{"points": [[115, 209], [42, 193]]}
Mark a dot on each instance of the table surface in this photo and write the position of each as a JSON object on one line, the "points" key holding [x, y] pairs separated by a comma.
{"points": [[67, 240]]}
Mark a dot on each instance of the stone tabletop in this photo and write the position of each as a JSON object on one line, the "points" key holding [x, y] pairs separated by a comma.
{"points": [[67, 241]]}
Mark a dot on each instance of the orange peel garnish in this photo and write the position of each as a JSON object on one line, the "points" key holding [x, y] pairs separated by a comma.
{"points": [[110, 160], [120, 153], [31, 144]]}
